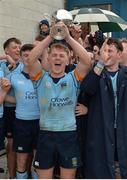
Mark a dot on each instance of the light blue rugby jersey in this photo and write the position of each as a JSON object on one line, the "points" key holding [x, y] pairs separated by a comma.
{"points": [[19, 68], [57, 102], [27, 107]]}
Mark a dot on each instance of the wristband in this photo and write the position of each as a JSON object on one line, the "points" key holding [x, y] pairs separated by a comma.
{"points": [[100, 65]]}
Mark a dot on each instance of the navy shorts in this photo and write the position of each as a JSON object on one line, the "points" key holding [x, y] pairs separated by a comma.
{"points": [[60, 146], [2, 133], [25, 135], [9, 117]]}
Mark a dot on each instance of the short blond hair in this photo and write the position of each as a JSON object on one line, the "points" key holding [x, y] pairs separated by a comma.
{"points": [[60, 46]]}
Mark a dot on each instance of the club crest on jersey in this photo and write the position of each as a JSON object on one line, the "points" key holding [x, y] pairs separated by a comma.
{"points": [[63, 84]]}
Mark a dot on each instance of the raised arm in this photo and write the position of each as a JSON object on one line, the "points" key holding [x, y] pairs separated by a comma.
{"points": [[34, 65], [84, 64], [44, 60], [12, 63], [39, 49]]}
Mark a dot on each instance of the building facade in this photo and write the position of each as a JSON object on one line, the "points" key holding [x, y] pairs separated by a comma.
{"points": [[20, 18], [117, 6]]}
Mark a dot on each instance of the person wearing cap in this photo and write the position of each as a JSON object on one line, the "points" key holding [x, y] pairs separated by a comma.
{"points": [[57, 97], [44, 27]]}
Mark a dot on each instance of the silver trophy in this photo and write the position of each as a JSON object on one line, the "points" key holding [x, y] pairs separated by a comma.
{"points": [[56, 31]]}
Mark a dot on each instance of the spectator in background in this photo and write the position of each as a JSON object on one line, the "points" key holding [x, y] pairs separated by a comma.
{"points": [[88, 42], [93, 39], [75, 31], [86, 29], [44, 27], [99, 38], [96, 52]]}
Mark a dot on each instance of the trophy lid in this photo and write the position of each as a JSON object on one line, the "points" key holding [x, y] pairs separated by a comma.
{"points": [[63, 14]]}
